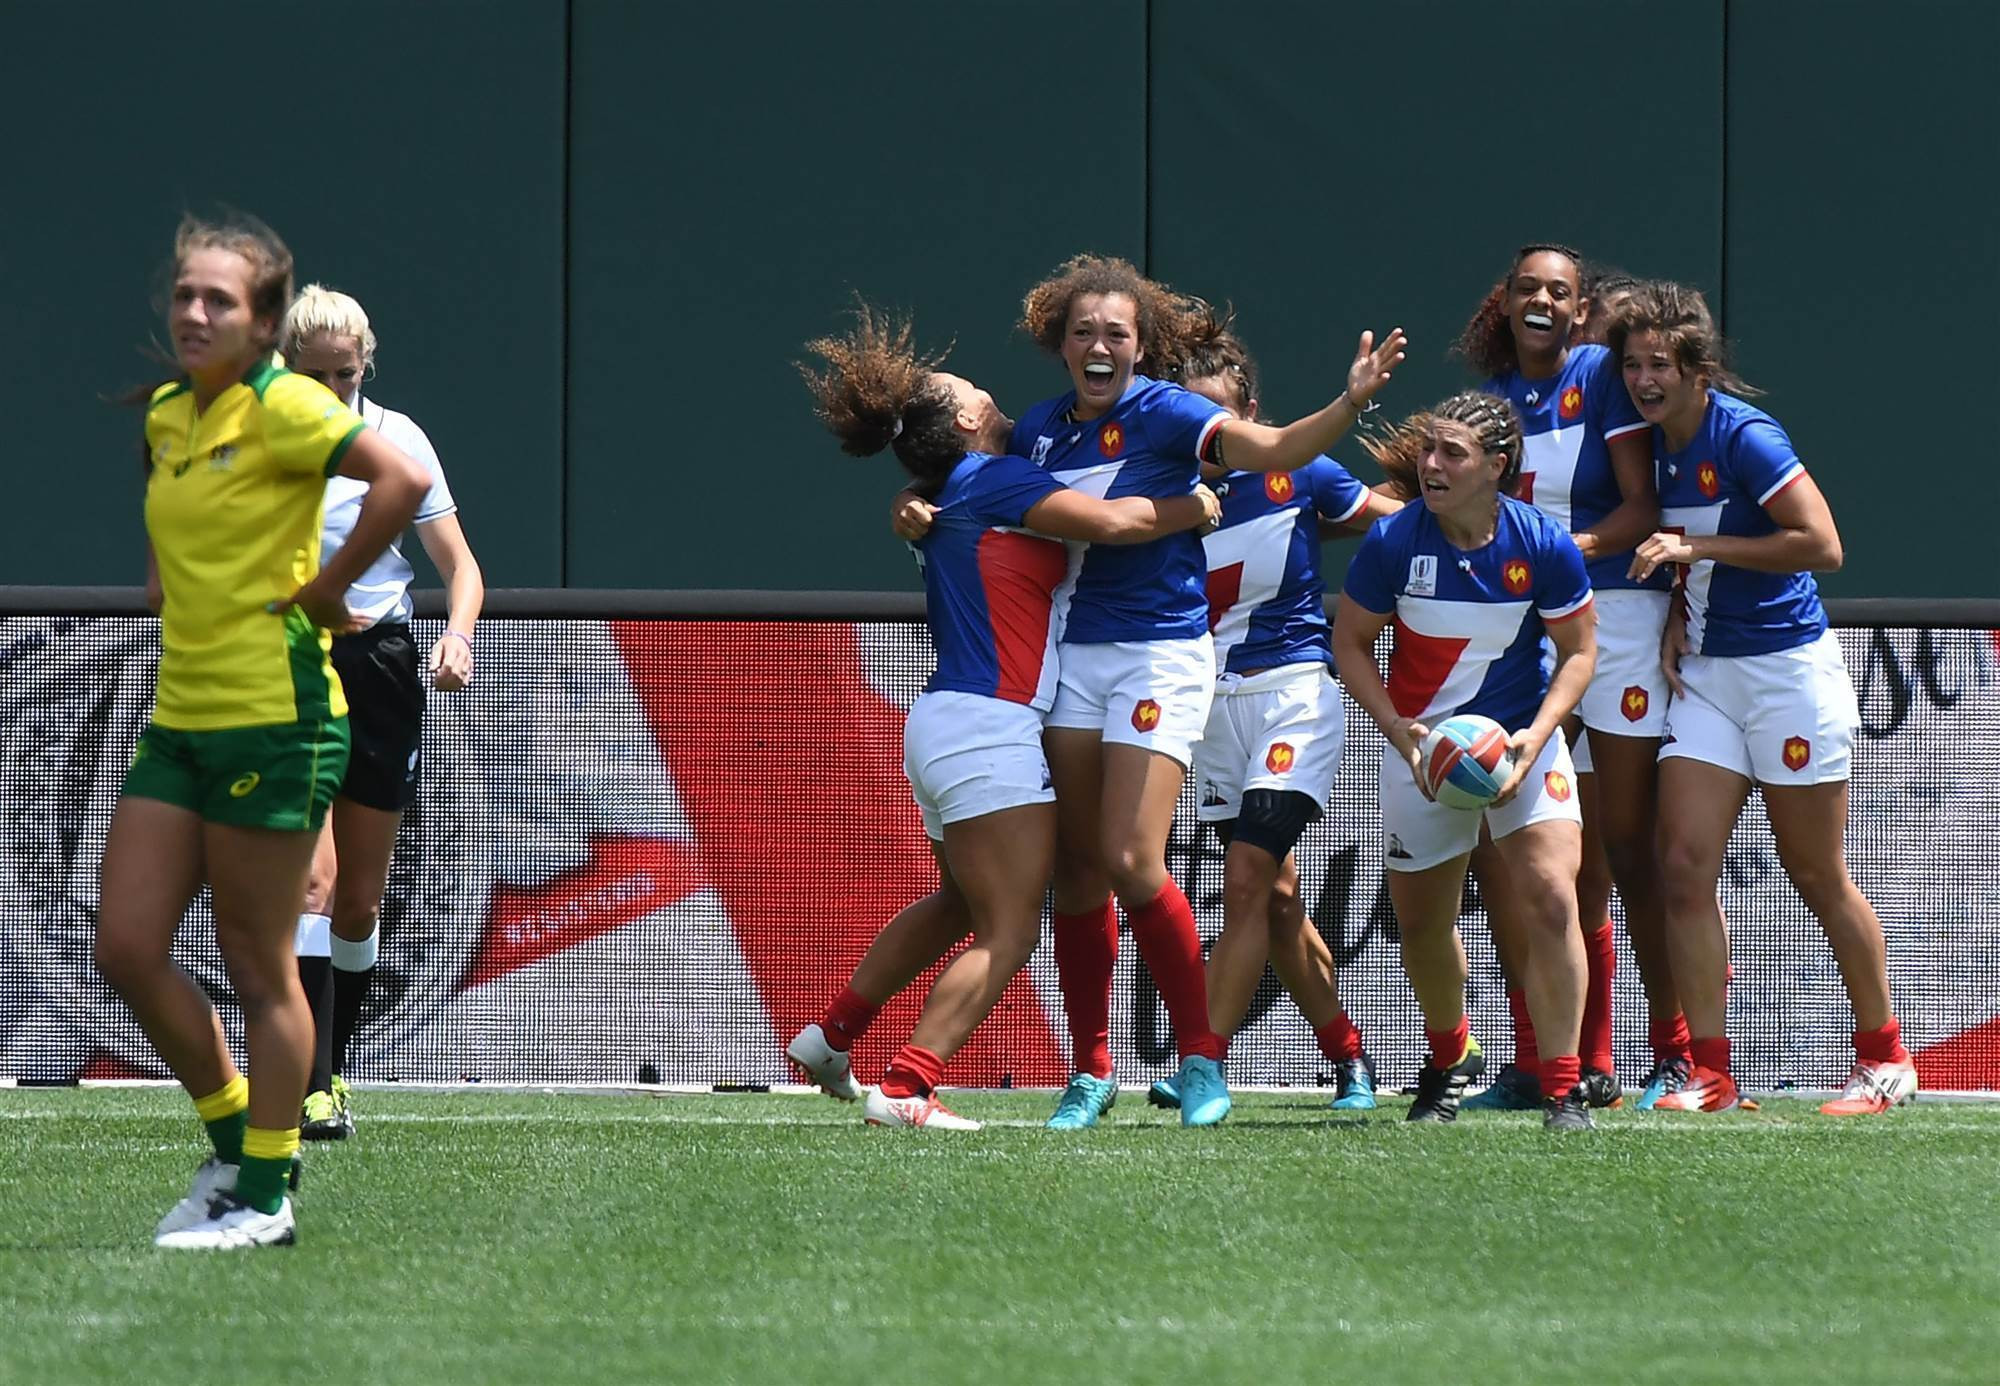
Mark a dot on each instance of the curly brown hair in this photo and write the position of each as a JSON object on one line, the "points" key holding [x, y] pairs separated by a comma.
{"points": [[1166, 319], [877, 391], [1208, 347], [1680, 315], [1487, 340], [1494, 424]]}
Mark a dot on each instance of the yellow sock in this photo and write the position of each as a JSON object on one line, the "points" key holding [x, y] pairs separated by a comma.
{"points": [[226, 1112]]}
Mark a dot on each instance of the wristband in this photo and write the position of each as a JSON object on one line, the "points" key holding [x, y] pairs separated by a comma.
{"points": [[1359, 409], [461, 637]]}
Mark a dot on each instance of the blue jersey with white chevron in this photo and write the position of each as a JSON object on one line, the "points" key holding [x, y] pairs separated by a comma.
{"points": [[1266, 593], [1738, 462], [1149, 444], [994, 593], [1468, 622], [1567, 424]]}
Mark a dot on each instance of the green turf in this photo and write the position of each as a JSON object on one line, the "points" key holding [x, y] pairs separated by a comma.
{"points": [[491, 1237]]}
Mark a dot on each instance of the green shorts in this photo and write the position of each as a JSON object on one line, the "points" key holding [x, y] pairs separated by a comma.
{"points": [[281, 777]]}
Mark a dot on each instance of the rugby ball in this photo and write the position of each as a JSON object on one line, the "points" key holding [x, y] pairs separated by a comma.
{"points": [[1466, 761]]}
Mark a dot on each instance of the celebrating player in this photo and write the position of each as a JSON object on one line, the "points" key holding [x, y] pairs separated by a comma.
{"points": [[248, 740], [1761, 693], [1266, 763], [1588, 465], [327, 337], [973, 742], [1472, 578]]}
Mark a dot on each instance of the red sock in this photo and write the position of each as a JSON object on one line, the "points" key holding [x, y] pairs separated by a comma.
{"points": [[1338, 1039], [1600, 956], [1669, 1038], [1164, 929], [847, 1018], [1560, 1073], [1448, 1046], [1883, 1046], [1711, 1054], [1526, 1058], [1086, 951], [912, 1073]]}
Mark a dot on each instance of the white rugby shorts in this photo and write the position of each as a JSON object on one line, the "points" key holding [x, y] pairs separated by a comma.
{"points": [[968, 755], [1278, 729], [1787, 717], [1628, 693], [1150, 693], [1418, 834]]}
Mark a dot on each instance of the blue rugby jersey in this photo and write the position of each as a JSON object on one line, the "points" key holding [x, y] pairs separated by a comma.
{"points": [[1266, 591]]}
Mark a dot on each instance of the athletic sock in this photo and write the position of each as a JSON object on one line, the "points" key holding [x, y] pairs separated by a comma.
{"points": [[1338, 1039], [1600, 956], [1086, 950], [1883, 1046], [1449, 1046], [226, 1112], [313, 945], [353, 971], [1526, 1057], [1669, 1038], [847, 1018], [1164, 929], [1559, 1074], [1711, 1054], [914, 1072], [267, 1164]]}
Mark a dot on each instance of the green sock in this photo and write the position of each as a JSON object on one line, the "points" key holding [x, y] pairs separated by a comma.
{"points": [[226, 1114], [226, 1135], [267, 1163]]}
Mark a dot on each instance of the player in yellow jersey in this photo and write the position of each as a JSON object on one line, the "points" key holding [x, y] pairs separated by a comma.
{"points": [[248, 741]]}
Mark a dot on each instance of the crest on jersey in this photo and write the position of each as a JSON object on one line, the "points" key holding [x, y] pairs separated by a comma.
{"points": [[1146, 715], [1517, 576], [1634, 703], [1111, 440], [1423, 579], [1798, 751], [1278, 486], [1557, 784], [1524, 488], [1278, 760], [1570, 403], [1707, 480]]}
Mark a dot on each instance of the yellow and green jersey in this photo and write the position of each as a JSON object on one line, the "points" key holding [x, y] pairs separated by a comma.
{"points": [[233, 504]]}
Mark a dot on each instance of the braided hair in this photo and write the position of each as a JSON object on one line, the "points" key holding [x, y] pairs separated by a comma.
{"points": [[1487, 340], [1494, 424]]}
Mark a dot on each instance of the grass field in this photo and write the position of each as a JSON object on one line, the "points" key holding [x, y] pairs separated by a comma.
{"points": [[490, 1237]]}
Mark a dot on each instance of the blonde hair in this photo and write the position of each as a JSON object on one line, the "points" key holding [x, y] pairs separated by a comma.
{"points": [[319, 311]]}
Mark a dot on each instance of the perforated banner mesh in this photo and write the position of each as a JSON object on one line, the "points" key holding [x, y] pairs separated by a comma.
{"points": [[650, 850]]}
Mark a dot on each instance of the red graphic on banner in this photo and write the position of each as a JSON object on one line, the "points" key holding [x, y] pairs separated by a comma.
{"points": [[1968, 1060], [626, 879], [1111, 441], [1278, 486], [1570, 404], [805, 823]]}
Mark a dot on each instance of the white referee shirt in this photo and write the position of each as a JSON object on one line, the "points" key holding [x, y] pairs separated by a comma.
{"points": [[383, 592]]}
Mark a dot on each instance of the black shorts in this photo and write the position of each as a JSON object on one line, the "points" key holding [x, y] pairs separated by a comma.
{"points": [[385, 714]]}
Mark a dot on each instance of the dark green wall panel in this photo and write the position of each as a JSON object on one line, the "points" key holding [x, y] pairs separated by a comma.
{"points": [[1334, 167], [1864, 270], [739, 171], [411, 154]]}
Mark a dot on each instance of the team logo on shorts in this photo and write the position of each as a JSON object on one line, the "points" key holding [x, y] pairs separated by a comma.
{"points": [[1517, 576], [1278, 760], [1557, 784], [1571, 403], [1146, 715], [241, 786], [1111, 441], [1707, 480], [1634, 703], [1798, 751], [1524, 488], [1278, 486]]}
